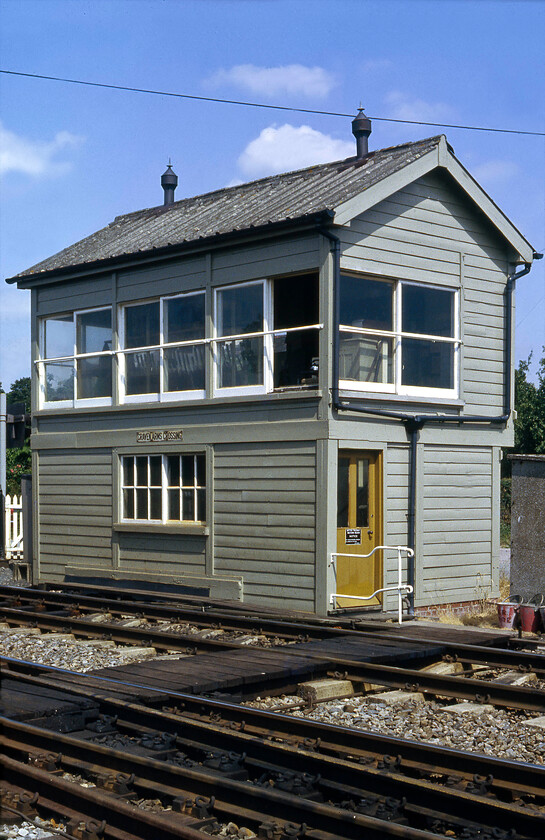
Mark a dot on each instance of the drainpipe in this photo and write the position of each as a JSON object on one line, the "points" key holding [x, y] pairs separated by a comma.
{"points": [[336, 251], [415, 422], [509, 289], [412, 427]]}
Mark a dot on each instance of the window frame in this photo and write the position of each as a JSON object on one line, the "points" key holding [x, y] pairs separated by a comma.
{"points": [[43, 361], [266, 334], [397, 336], [212, 328], [161, 395], [180, 524]]}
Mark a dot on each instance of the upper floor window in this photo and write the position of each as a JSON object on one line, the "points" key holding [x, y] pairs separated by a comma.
{"points": [[267, 335], [75, 367], [398, 337], [163, 344], [263, 336]]}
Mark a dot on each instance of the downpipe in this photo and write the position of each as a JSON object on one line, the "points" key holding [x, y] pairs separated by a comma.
{"points": [[415, 422]]}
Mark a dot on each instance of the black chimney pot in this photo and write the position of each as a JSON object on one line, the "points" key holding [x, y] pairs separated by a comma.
{"points": [[169, 182], [361, 129]]}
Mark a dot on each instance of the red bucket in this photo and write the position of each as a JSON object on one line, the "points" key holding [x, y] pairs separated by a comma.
{"points": [[506, 613], [529, 618]]}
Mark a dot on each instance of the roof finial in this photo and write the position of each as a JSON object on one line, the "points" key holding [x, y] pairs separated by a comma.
{"points": [[169, 182], [361, 129]]}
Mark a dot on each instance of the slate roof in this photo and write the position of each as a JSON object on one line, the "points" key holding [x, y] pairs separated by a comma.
{"points": [[276, 199]]}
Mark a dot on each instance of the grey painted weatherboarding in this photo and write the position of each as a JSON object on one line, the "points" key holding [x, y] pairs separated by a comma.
{"points": [[406, 215]]}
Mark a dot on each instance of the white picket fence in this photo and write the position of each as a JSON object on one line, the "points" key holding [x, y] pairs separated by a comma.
{"points": [[14, 527]]}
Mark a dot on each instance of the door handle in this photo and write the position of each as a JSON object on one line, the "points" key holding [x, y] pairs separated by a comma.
{"points": [[369, 533]]}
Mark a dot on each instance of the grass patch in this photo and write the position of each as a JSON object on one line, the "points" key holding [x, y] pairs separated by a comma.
{"points": [[484, 614]]}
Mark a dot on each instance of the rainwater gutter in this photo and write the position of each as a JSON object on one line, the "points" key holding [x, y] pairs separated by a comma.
{"points": [[415, 422]]}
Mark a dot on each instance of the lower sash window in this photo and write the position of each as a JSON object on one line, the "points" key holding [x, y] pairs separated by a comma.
{"points": [[164, 488]]}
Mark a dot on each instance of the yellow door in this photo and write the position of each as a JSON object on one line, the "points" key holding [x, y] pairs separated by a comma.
{"points": [[359, 494]]}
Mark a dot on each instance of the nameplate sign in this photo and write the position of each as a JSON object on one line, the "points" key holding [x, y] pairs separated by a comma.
{"points": [[161, 436]]}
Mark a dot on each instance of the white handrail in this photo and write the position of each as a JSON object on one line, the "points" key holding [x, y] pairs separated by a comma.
{"points": [[401, 588]]}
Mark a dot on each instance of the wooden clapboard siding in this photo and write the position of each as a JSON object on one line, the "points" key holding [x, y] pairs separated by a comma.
{"points": [[267, 259], [396, 495], [264, 520], [171, 278], [88, 293], [75, 504], [455, 518], [157, 554]]}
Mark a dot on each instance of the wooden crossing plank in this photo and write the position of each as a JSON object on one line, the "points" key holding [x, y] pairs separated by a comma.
{"points": [[226, 669], [214, 671], [23, 702]]}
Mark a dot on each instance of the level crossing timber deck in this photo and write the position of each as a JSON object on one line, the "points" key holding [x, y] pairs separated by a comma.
{"points": [[258, 669], [243, 671]]}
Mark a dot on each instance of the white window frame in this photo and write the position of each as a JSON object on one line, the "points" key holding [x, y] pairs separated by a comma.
{"points": [[43, 361], [161, 395], [397, 336], [164, 488], [266, 333]]}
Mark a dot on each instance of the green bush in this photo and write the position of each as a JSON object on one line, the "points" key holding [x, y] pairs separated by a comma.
{"points": [[505, 512], [18, 463]]}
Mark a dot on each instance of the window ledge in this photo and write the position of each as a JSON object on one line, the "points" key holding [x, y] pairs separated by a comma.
{"points": [[401, 399], [182, 530], [303, 393]]}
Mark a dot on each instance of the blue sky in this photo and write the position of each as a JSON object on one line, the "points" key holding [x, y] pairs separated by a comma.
{"points": [[72, 158]]}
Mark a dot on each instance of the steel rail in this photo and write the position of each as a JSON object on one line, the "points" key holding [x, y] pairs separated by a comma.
{"points": [[330, 739], [340, 776], [196, 611], [66, 799], [159, 639], [465, 653], [426, 803], [232, 797], [179, 613], [465, 688]]}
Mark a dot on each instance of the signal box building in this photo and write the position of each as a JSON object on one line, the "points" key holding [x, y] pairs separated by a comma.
{"points": [[232, 389]]}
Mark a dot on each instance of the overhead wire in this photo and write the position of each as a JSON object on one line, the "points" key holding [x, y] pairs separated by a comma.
{"points": [[264, 105]]}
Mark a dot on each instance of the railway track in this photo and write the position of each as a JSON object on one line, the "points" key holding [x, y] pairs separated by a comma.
{"points": [[173, 627], [218, 762], [207, 764]]}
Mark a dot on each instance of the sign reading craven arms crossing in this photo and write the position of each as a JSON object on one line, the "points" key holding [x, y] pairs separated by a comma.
{"points": [[159, 436]]}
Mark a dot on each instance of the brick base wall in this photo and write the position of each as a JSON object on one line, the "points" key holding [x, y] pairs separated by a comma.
{"points": [[458, 608]]}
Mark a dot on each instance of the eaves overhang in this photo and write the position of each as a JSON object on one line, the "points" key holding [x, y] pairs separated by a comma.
{"points": [[440, 157], [309, 221]]}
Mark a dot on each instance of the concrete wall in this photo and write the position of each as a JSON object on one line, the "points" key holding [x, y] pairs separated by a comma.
{"points": [[528, 525]]}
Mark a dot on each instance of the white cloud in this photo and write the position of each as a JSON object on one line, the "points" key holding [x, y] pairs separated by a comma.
{"points": [[34, 157], [495, 171], [401, 107], [294, 79], [286, 147]]}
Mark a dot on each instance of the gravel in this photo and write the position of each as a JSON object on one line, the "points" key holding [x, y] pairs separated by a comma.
{"points": [[500, 732], [49, 649], [38, 830], [6, 576]]}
